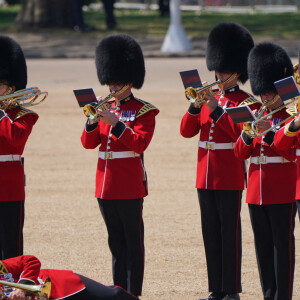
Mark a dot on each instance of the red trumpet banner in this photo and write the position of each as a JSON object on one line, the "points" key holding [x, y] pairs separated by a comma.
{"points": [[191, 78], [287, 88], [85, 96]]}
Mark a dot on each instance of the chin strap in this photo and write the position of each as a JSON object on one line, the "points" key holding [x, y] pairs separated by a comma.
{"points": [[268, 103], [9, 90], [228, 81]]}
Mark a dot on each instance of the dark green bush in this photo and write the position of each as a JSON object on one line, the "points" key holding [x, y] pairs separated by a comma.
{"points": [[13, 2]]}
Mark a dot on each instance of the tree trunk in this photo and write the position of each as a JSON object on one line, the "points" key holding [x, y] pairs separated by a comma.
{"points": [[46, 13]]}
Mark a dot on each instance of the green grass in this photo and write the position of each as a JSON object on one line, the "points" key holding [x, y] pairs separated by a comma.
{"points": [[137, 22], [7, 17], [195, 24]]}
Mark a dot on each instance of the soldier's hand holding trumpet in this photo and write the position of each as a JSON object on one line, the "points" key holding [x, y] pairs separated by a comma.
{"points": [[202, 95], [105, 115]]}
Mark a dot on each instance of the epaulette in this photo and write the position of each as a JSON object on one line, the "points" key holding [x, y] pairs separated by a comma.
{"points": [[292, 110], [145, 108], [23, 112], [248, 101], [2, 268]]}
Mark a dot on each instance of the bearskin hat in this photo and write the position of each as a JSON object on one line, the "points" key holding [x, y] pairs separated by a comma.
{"points": [[268, 63], [13, 69], [120, 60], [228, 47]]}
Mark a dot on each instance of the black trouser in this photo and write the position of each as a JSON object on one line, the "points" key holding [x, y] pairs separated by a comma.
{"points": [[273, 228], [77, 13], [11, 228], [109, 12], [125, 227], [221, 230], [164, 7], [97, 291]]}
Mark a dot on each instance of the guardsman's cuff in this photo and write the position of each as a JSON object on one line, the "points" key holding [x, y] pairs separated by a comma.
{"points": [[118, 130], [217, 113], [26, 281], [194, 110], [90, 127], [290, 129], [2, 114], [269, 138], [246, 138]]}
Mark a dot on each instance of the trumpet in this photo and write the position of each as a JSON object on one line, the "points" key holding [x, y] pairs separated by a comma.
{"points": [[291, 106], [90, 110], [197, 96], [25, 98], [40, 292]]}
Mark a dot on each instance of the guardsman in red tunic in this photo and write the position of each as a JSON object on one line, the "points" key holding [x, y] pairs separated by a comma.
{"points": [[220, 175], [289, 137], [15, 127], [65, 284], [272, 177], [286, 138], [123, 133]]}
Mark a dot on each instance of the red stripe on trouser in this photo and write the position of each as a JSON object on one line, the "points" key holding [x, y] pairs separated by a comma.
{"points": [[141, 245], [291, 225], [237, 243]]}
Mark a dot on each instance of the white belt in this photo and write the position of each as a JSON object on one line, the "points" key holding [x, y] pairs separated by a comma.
{"points": [[298, 152], [215, 146], [120, 154], [268, 159], [10, 157]]}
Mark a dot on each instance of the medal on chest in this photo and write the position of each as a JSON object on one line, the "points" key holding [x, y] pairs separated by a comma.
{"points": [[128, 115]]}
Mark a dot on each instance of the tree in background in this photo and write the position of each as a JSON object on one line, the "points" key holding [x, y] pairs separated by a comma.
{"points": [[45, 13], [54, 13]]}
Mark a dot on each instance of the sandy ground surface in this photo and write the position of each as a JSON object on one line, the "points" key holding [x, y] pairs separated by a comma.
{"points": [[63, 225]]}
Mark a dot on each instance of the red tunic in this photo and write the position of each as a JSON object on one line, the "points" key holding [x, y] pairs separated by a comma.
{"points": [[217, 169], [15, 128], [269, 183], [26, 269], [285, 142], [123, 178]]}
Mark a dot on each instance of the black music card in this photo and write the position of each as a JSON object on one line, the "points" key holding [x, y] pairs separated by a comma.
{"points": [[240, 114], [191, 78], [85, 96]]}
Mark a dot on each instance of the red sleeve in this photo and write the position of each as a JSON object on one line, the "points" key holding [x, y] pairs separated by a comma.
{"points": [[289, 154], [283, 141], [25, 268], [139, 136], [90, 139], [229, 127], [242, 150], [17, 132], [190, 125]]}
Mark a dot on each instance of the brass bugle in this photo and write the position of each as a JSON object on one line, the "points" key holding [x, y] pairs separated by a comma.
{"points": [[198, 95], [290, 106], [90, 110], [25, 98], [42, 290]]}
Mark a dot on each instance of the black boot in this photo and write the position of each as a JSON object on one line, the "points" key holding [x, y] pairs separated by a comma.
{"points": [[231, 297], [214, 296]]}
